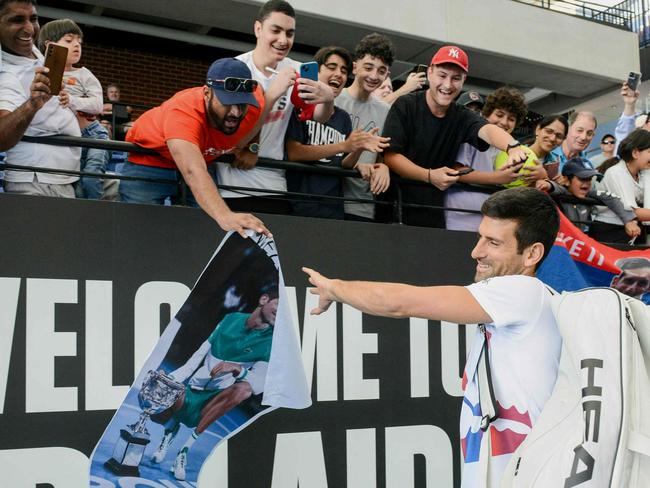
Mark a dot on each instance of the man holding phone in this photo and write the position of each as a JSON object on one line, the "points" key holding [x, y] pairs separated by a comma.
{"points": [[630, 119], [270, 66], [27, 107]]}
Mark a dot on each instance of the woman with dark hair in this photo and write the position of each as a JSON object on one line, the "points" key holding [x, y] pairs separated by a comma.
{"points": [[549, 133], [624, 180]]}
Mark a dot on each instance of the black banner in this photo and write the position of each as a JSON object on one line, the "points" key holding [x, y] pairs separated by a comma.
{"points": [[86, 288]]}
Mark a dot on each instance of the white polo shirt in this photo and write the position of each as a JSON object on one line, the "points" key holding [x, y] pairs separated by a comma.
{"points": [[271, 139], [16, 76]]}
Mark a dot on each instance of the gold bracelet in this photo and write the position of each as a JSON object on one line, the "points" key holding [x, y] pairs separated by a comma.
{"points": [[429, 176]]}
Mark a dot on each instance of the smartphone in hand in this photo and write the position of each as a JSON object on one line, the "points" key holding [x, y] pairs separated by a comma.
{"points": [[464, 171], [309, 70], [55, 59], [633, 80]]}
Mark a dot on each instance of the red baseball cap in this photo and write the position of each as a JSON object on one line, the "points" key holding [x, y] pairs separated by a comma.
{"points": [[453, 55]]}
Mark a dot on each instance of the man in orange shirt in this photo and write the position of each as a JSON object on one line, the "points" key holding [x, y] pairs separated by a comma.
{"points": [[189, 131]]}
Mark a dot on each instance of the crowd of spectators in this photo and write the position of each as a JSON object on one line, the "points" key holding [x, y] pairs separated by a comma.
{"points": [[428, 130]]}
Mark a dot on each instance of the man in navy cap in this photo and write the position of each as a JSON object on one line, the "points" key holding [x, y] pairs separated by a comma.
{"points": [[191, 130]]}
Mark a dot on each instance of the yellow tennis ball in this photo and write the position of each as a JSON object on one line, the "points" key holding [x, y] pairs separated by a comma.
{"points": [[502, 157]]}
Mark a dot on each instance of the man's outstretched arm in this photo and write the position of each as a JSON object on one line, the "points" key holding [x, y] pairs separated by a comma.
{"points": [[191, 164], [449, 303]]}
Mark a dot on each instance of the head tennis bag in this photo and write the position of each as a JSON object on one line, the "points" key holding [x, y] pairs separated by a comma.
{"points": [[594, 431]]}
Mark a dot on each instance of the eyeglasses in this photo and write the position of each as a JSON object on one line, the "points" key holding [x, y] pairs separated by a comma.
{"points": [[608, 142], [550, 132], [232, 84]]}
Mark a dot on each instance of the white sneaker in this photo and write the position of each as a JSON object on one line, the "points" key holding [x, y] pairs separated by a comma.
{"points": [[161, 452], [179, 465]]}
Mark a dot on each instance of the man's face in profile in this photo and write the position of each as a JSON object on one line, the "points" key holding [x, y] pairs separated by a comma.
{"points": [[633, 282]]}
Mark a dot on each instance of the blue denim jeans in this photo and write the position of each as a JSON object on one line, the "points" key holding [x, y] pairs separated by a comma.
{"points": [[145, 191], [92, 161]]}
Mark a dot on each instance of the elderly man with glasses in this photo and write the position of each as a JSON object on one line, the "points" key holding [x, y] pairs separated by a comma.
{"points": [[191, 130]]}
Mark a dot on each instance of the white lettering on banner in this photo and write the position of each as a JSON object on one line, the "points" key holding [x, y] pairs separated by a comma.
{"points": [[403, 443], [356, 343], [419, 348], [577, 247], [299, 461], [100, 392], [146, 316], [44, 344], [319, 339], [450, 355], [361, 455], [58, 466], [9, 292]]}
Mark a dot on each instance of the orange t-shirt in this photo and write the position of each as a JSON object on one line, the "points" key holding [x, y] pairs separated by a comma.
{"points": [[183, 116]]}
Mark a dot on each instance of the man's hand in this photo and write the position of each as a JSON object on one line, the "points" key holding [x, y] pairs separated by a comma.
{"points": [[413, 82], [365, 170], [322, 288], [516, 155], [280, 84], [64, 98], [226, 367], [379, 178], [244, 159], [629, 97], [632, 228], [534, 173], [239, 222], [443, 178], [508, 174], [366, 141], [314, 92], [39, 90]]}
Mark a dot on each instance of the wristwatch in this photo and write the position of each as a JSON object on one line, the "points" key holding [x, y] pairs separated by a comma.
{"points": [[254, 147], [512, 145]]}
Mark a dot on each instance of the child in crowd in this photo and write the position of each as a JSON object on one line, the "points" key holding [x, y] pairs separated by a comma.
{"points": [[82, 93], [624, 179], [373, 57], [506, 108], [579, 173], [332, 143]]}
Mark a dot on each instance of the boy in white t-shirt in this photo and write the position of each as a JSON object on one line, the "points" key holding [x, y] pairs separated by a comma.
{"points": [[275, 27], [82, 93], [520, 334]]}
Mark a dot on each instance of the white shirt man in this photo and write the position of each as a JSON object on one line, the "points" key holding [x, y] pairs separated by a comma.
{"points": [[521, 336]]}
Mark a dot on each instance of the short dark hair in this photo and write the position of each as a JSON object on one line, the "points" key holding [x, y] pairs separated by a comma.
{"points": [[376, 45], [549, 119], [323, 54], [509, 99], [606, 136], [275, 6], [55, 30], [271, 290], [535, 213], [4, 3], [638, 139]]}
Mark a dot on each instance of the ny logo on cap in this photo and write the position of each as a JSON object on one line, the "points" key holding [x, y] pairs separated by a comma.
{"points": [[454, 53]]}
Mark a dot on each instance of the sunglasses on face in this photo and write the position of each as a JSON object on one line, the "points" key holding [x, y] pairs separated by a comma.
{"points": [[607, 142], [232, 84]]}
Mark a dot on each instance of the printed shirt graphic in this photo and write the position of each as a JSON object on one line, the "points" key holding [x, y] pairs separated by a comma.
{"points": [[524, 350]]}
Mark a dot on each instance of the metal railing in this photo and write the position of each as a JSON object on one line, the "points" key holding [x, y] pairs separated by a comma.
{"points": [[397, 205], [620, 16], [639, 18]]}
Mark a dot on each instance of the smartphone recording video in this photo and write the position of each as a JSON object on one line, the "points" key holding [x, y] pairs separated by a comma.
{"points": [[55, 59]]}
